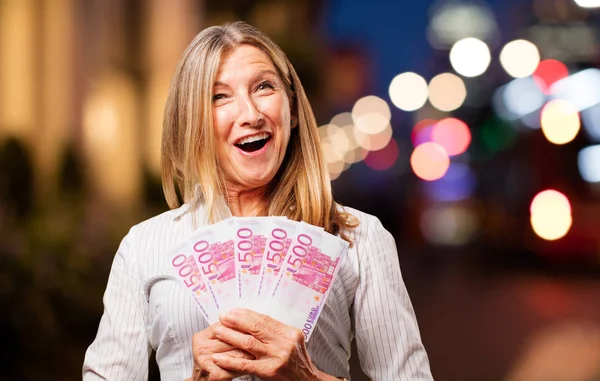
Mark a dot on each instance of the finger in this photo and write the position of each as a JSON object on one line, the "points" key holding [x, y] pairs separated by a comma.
{"points": [[211, 346], [264, 369], [247, 321], [207, 333], [234, 364], [209, 370], [239, 354], [243, 341]]}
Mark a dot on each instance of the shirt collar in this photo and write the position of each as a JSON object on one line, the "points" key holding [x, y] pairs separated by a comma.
{"points": [[199, 209]]}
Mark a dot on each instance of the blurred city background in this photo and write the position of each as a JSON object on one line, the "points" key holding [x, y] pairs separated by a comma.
{"points": [[470, 128]]}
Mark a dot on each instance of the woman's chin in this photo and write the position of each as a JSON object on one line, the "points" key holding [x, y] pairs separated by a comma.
{"points": [[247, 183]]}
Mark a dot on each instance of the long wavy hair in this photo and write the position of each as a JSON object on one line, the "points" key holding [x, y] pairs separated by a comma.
{"points": [[300, 190]]}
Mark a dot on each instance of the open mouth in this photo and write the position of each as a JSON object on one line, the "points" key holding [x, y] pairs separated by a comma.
{"points": [[254, 142]]}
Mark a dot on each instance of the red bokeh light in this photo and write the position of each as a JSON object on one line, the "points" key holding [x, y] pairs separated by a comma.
{"points": [[452, 134], [384, 158], [421, 132], [548, 72]]}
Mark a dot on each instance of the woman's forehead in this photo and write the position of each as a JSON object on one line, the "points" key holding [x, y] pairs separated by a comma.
{"points": [[244, 57]]}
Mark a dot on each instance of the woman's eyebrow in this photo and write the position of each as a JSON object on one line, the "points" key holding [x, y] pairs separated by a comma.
{"points": [[253, 78], [220, 84], [264, 72]]}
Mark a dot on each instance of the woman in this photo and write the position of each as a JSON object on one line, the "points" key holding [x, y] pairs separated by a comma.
{"points": [[240, 139]]}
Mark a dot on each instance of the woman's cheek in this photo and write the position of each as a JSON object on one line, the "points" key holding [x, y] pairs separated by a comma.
{"points": [[221, 120]]}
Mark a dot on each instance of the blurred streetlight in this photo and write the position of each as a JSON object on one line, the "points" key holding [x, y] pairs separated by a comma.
{"points": [[453, 21], [519, 58], [447, 92], [588, 3], [560, 121], [470, 57], [408, 91]]}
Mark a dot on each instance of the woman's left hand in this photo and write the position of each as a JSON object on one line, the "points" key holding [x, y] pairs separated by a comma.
{"points": [[279, 350]]}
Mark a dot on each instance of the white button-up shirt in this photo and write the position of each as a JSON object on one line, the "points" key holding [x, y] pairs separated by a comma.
{"points": [[146, 309]]}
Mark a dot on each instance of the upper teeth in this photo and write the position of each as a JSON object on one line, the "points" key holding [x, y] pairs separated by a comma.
{"points": [[253, 138]]}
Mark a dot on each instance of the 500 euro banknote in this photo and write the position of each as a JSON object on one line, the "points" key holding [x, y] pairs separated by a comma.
{"points": [[249, 240], [305, 278], [184, 268], [214, 252], [280, 235]]}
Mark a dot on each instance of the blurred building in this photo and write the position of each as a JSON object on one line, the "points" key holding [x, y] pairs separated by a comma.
{"points": [[91, 76]]}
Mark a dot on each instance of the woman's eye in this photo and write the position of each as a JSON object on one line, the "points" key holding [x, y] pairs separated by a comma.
{"points": [[266, 85], [217, 97]]}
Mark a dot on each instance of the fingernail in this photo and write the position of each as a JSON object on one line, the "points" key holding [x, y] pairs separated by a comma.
{"points": [[218, 356]]}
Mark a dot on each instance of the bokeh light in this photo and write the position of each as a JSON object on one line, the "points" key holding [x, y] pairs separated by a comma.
{"points": [[452, 134], [408, 91], [421, 132], [548, 72], [340, 144], [373, 142], [582, 89], [449, 224], [500, 107], [470, 57], [497, 135], [591, 122], [447, 92], [588, 3], [588, 161], [100, 121], [342, 119], [429, 161], [560, 121], [343, 144], [519, 58], [328, 152], [341, 125], [371, 114], [355, 152], [457, 184], [335, 164], [323, 133], [335, 169], [550, 213], [384, 158], [453, 21], [335, 146], [518, 98]]}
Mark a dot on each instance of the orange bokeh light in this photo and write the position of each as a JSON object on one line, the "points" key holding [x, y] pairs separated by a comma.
{"points": [[430, 161], [560, 121], [452, 134]]}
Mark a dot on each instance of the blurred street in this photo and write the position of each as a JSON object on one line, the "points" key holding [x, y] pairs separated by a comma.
{"points": [[482, 327]]}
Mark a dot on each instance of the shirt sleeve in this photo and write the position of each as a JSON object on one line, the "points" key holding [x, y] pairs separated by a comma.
{"points": [[121, 349], [387, 336]]}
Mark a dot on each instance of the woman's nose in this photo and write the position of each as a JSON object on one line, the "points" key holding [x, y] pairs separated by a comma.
{"points": [[249, 114]]}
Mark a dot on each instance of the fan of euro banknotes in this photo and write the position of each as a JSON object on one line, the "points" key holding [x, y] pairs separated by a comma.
{"points": [[272, 265]]}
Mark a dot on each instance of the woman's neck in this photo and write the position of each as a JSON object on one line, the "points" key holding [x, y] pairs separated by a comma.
{"points": [[247, 203]]}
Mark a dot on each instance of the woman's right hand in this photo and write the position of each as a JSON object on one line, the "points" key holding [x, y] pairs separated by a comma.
{"points": [[204, 345]]}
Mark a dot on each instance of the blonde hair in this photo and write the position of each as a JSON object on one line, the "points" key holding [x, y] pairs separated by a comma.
{"points": [[301, 188]]}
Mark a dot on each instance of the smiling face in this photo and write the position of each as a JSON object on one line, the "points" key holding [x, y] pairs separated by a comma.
{"points": [[251, 114]]}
